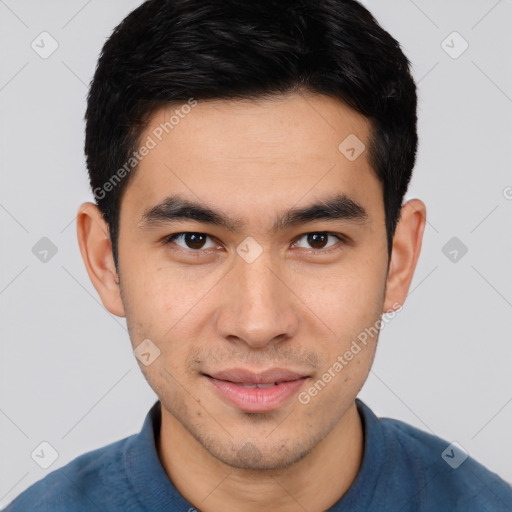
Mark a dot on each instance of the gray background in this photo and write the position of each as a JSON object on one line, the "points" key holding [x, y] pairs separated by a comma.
{"points": [[67, 372]]}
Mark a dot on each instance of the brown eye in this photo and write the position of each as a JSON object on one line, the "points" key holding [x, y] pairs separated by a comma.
{"points": [[190, 240], [317, 240]]}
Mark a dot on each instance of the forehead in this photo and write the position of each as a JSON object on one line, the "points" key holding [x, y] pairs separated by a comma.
{"points": [[255, 155]]}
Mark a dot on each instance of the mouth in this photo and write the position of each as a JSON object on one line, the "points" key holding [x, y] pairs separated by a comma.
{"points": [[256, 392]]}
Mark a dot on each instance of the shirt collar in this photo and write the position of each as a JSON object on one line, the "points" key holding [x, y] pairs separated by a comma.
{"points": [[155, 491], [145, 472]]}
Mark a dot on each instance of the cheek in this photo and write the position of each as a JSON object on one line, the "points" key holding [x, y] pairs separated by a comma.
{"points": [[337, 383], [168, 309], [347, 300], [158, 299], [350, 304]]}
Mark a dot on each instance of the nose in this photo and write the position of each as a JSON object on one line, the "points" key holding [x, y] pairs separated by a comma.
{"points": [[257, 308]]}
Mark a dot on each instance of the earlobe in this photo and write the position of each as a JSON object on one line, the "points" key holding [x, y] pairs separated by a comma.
{"points": [[406, 250], [96, 249]]}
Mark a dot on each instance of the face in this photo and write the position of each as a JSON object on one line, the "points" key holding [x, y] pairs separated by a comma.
{"points": [[238, 296]]}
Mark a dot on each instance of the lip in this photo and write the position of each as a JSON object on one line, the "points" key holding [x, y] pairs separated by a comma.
{"points": [[232, 384], [248, 377]]}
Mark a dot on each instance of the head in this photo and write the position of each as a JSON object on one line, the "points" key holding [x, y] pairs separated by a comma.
{"points": [[249, 163]]}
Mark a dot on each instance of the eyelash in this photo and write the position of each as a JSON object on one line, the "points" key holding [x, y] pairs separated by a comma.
{"points": [[343, 239]]}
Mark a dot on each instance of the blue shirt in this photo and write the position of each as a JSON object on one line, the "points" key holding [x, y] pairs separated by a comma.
{"points": [[403, 469]]}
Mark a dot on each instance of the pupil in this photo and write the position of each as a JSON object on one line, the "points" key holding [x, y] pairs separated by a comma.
{"points": [[317, 238], [194, 241]]}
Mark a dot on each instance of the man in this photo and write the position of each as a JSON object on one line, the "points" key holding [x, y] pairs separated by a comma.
{"points": [[249, 161]]}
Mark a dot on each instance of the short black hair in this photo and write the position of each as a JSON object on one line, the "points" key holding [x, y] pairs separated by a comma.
{"points": [[171, 51]]}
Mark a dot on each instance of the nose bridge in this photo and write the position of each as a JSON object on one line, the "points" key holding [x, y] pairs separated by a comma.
{"points": [[258, 308]]}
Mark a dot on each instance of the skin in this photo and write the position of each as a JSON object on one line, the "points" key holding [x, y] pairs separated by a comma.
{"points": [[294, 307]]}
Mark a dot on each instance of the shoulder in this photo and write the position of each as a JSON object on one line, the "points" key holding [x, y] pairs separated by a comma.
{"points": [[92, 481], [451, 479]]}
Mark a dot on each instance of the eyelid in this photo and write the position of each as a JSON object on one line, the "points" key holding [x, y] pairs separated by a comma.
{"points": [[169, 239], [342, 238]]}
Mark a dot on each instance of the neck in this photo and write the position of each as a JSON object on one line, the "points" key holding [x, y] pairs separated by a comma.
{"points": [[314, 483]]}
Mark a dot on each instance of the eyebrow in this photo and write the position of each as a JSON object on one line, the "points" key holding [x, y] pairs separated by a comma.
{"points": [[176, 208]]}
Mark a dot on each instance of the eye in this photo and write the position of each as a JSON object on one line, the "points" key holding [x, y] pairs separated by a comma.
{"points": [[318, 240], [190, 240]]}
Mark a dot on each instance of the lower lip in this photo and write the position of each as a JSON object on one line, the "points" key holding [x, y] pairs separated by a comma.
{"points": [[256, 399]]}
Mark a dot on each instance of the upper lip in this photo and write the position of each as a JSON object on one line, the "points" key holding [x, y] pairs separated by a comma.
{"points": [[239, 375]]}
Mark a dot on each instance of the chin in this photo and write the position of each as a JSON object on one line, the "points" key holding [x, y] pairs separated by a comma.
{"points": [[262, 456]]}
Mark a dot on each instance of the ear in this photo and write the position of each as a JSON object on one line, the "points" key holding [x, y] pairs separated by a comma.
{"points": [[96, 249], [405, 253]]}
